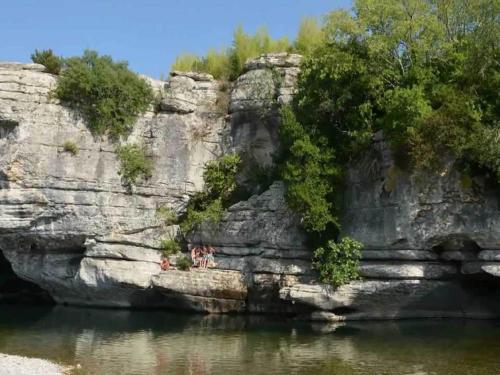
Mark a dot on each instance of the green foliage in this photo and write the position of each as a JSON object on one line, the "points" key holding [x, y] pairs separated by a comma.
{"points": [[134, 163], [338, 263], [201, 210], [228, 63], [424, 72], [185, 62], [166, 215], [220, 185], [53, 64], [247, 46], [309, 37], [220, 176], [107, 93], [309, 170], [71, 147], [184, 263], [169, 246], [215, 63]]}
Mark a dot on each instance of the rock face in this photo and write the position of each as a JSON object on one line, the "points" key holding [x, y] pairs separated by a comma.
{"points": [[203, 290], [430, 246], [69, 225], [268, 83], [261, 238]]}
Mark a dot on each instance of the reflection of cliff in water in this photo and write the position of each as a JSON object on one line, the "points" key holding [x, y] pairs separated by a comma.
{"points": [[137, 342]]}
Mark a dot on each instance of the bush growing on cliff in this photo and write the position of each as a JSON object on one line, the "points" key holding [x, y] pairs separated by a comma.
{"points": [[134, 163], [184, 263], [170, 246], [71, 147], [201, 210], [166, 215], [220, 184], [338, 263], [47, 58], [107, 93]]}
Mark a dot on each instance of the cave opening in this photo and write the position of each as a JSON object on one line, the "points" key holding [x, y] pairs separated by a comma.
{"points": [[14, 289]]}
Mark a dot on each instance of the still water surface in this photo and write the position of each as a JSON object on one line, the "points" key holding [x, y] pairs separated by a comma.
{"points": [[154, 342]]}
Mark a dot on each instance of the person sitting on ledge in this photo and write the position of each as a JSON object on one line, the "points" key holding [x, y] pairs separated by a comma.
{"points": [[196, 256], [165, 264]]}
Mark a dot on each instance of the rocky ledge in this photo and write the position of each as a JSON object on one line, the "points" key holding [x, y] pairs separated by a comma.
{"points": [[69, 225]]}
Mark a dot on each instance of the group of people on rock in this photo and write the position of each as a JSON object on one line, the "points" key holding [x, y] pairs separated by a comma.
{"points": [[203, 256]]}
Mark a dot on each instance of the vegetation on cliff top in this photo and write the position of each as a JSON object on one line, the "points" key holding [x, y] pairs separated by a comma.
{"points": [[228, 63], [109, 96], [47, 58], [107, 93], [424, 72]]}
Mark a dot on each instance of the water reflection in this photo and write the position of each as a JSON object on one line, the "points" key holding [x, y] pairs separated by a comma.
{"points": [[125, 342]]}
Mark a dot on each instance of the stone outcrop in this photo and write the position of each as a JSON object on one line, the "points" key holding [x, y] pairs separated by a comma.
{"points": [[268, 83], [430, 245], [69, 225], [261, 238], [203, 290]]}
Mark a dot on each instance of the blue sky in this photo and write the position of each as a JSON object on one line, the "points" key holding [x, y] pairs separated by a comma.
{"points": [[147, 33]]}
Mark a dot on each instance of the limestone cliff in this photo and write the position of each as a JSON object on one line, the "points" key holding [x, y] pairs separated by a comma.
{"points": [[68, 224]]}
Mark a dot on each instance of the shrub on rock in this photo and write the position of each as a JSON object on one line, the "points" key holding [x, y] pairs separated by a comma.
{"points": [[107, 93], [47, 58]]}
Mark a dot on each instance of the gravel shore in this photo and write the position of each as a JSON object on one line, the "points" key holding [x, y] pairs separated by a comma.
{"points": [[17, 365]]}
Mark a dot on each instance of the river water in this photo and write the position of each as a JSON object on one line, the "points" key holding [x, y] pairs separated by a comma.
{"points": [[156, 342]]}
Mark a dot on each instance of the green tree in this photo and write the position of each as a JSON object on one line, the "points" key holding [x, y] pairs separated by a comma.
{"points": [[309, 37], [425, 72]]}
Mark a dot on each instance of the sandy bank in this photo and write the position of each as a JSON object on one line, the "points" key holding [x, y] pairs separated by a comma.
{"points": [[17, 365]]}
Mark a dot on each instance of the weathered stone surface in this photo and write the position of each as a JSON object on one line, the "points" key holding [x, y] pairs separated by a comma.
{"points": [[253, 91], [11, 65], [386, 208], [491, 255], [492, 268], [395, 299], [271, 60], [458, 255], [270, 81], [261, 237], [67, 222], [263, 221], [190, 92], [197, 76], [203, 283], [211, 291], [399, 255], [121, 251], [481, 267], [407, 270]]}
